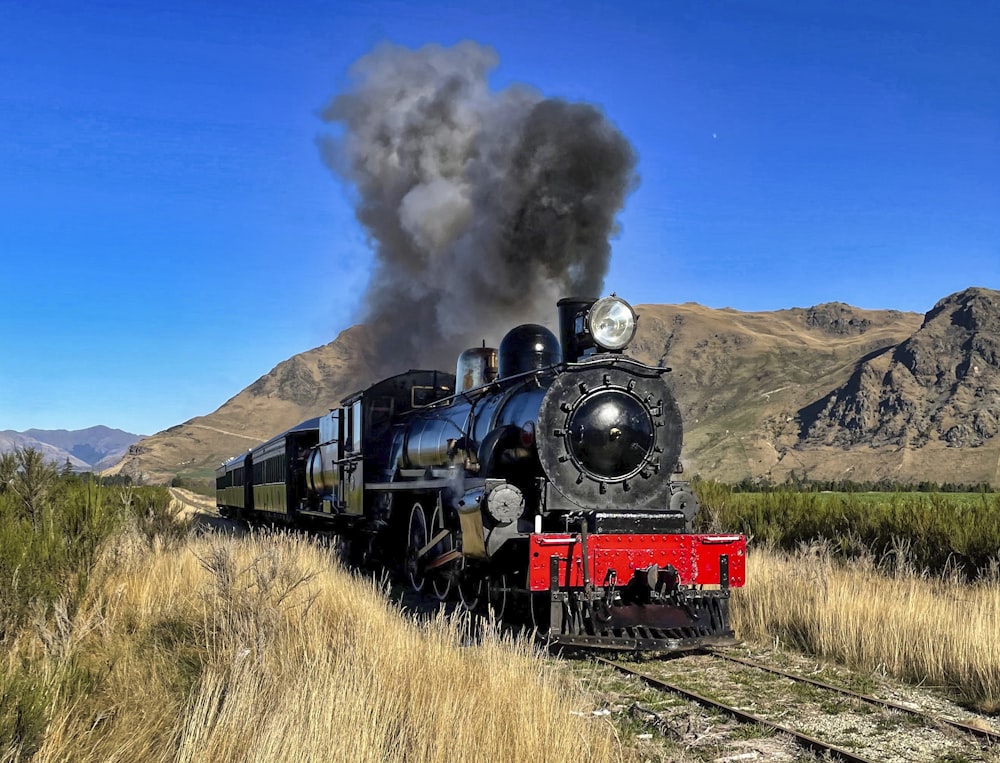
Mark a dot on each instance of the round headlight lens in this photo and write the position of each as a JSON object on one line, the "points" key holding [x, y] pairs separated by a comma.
{"points": [[612, 323]]}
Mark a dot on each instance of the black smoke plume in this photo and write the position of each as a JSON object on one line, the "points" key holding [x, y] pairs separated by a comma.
{"points": [[483, 207]]}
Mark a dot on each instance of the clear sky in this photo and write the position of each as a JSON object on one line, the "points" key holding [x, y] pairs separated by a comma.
{"points": [[169, 232]]}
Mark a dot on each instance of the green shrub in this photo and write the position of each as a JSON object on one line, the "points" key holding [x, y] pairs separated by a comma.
{"points": [[52, 525], [927, 532]]}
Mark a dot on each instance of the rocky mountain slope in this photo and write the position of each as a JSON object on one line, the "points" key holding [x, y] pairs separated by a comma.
{"points": [[91, 449], [940, 385], [826, 392]]}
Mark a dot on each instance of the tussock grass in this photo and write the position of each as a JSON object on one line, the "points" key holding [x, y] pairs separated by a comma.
{"points": [[52, 527], [934, 631], [149, 644], [264, 649]]}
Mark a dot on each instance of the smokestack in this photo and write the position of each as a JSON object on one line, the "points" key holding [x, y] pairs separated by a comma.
{"points": [[483, 207], [569, 309]]}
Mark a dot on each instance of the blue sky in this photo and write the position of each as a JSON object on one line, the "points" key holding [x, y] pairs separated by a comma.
{"points": [[169, 232]]}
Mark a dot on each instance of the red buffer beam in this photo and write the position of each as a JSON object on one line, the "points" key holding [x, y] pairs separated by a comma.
{"points": [[702, 559]]}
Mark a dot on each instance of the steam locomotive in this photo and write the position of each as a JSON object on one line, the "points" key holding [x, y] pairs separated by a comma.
{"points": [[540, 479]]}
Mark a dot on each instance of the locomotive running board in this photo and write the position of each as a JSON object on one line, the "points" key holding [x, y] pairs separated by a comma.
{"points": [[433, 483], [319, 514]]}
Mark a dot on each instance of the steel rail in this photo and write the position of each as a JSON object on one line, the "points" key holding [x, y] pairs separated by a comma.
{"points": [[804, 740], [992, 736]]}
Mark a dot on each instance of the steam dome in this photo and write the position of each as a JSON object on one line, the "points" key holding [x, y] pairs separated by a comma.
{"points": [[528, 347]]}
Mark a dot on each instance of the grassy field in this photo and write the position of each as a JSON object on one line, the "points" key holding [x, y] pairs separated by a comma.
{"points": [[933, 631], [217, 648], [127, 636], [906, 583]]}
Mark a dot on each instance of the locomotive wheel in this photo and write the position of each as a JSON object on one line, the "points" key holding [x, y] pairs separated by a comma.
{"points": [[441, 577], [416, 539], [470, 588], [496, 592]]}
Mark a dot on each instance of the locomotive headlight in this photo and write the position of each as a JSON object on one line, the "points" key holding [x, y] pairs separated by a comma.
{"points": [[612, 323]]}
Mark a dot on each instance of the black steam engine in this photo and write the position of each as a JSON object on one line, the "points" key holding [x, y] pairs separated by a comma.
{"points": [[539, 479]]}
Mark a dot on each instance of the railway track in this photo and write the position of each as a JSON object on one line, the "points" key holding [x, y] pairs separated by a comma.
{"points": [[830, 721], [989, 735]]}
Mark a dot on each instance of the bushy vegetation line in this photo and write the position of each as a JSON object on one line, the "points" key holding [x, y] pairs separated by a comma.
{"points": [[52, 524], [934, 533], [802, 485]]}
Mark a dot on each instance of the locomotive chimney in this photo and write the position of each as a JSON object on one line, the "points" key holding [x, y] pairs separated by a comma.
{"points": [[572, 326]]}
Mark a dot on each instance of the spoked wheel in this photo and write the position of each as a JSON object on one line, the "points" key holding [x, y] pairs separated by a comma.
{"points": [[361, 551], [441, 577], [342, 548], [496, 591], [416, 539], [470, 587]]}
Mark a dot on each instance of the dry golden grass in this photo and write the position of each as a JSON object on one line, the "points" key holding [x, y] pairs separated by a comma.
{"points": [[264, 649], [936, 632]]}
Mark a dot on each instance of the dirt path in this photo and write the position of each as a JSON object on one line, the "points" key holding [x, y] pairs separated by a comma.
{"points": [[202, 512], [252, 438]]}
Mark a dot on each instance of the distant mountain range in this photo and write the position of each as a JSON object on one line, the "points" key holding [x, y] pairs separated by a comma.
{"points": [[92, 449], [827, 392]]}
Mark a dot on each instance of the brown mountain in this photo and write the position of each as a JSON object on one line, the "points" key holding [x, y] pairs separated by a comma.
{"points": [[742, 379], [826, 392]]}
